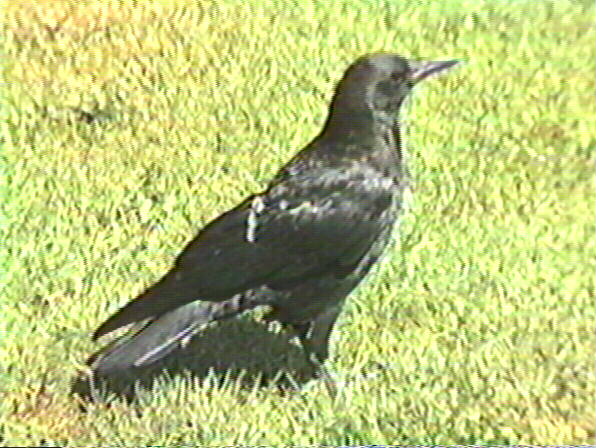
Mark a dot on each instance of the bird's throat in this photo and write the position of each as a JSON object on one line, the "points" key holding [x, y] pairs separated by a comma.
{"points": [[363, 126]]}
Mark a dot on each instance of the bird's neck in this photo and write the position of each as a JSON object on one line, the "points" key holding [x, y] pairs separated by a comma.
{"points": [[365, 128], [366, 135]]}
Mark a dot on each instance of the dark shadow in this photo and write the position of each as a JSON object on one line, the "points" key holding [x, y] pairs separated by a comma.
{"points": [[238, 348]]}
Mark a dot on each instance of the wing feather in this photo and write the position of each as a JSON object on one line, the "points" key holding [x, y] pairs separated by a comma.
{"points": [[295, 230]]}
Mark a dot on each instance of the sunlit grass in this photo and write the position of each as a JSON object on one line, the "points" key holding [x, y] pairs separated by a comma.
{"points": [[127, 128]]}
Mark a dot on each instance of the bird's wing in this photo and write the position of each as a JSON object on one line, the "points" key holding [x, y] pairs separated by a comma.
{"points": [[152, 340], [307, 226]]}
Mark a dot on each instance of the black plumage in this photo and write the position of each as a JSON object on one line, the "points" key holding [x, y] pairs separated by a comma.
{"points": [[302, 245]]}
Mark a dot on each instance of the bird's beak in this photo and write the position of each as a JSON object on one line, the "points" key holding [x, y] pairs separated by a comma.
{"points": [[423, 69]]}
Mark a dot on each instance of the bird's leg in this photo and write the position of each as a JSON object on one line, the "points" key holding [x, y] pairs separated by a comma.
{"points": [[314, 337]]}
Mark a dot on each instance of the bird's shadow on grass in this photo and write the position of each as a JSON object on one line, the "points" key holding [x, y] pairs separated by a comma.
{"points": [[242, 349]]}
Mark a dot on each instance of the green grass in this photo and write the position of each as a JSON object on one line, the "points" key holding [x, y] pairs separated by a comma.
{"points": [[479, 329]]}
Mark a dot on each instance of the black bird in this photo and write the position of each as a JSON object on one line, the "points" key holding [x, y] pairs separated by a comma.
{"points": [[302, 245]]}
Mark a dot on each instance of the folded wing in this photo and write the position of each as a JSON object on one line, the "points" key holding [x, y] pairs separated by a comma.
{"points": [[307, 227]]}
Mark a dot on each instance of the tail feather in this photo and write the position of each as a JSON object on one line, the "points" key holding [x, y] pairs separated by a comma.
{"points": [[153, 302], [151, 341]]}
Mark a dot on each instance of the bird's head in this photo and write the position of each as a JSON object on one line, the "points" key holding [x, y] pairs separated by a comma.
{"points": [[379, 83]]}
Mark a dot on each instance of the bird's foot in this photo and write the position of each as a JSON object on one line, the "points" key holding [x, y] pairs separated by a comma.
{"points": [[324, 374]]}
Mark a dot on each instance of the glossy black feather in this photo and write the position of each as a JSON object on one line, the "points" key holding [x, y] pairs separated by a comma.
{"points": [[305, 242]]}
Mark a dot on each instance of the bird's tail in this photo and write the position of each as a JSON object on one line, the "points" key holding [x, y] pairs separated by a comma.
{"points": [[150, 341]]}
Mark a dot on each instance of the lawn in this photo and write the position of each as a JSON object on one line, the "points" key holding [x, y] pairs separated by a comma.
{"points": [[128, 126]]}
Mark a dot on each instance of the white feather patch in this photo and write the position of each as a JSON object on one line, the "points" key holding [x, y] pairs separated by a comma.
{"points": [[256, 207]]}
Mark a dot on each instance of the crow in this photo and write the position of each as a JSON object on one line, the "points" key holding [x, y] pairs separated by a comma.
{"points": [[301, 245]]}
